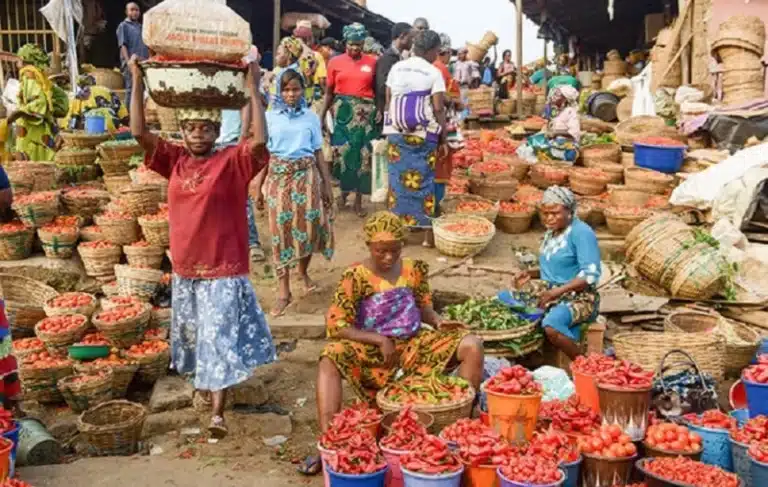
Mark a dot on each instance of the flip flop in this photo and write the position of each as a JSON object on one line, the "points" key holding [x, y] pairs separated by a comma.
{"points": [[312, 465], [280, 310], [217, 428]]}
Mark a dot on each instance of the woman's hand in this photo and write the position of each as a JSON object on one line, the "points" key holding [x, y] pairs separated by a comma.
{"points": [[133, 65], [388, 351], [548, 297], [328, 199], [521, 279], [451, 325]]}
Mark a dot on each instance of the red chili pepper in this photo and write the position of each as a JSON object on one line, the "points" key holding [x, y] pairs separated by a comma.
{"points": [[531, 469], [432, 458], [756, 429], [713, 418], [515, 380], [687, 471]]}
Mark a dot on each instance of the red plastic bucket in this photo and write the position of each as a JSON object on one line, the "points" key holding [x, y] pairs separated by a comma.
{"points": [[325, 456], [586, 388], [6, 446], [394, 477]]}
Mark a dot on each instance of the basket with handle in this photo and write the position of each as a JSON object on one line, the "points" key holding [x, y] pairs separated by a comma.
{"points": [[58, 342], [126, 331], [141, 283], [58, 245], [144, 257], [705, 398], [451, 205], [119, 231], [24, 298], [156, 231], [453, 243], [113, 428], [36, 213], [443, 414], [84, 391], [122, 374], [16, 244]]}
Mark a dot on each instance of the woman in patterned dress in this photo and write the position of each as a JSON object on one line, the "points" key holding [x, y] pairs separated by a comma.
{"points": [[298, 187], [569, 270], [92, 99], [219, 334]]}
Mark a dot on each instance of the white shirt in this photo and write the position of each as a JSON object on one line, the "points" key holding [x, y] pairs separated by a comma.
{"points": [[415, 74]]}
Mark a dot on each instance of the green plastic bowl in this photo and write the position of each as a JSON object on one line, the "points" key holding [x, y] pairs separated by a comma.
{"points": [[88, 352]]}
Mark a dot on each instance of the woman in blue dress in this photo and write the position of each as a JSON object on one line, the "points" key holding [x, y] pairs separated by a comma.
{"points": [[569, 270]]}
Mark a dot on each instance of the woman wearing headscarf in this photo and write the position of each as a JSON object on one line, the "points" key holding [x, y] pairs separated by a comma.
{"points": [[288, 53], [298, 188], [371, 46], [563, 134], [569, 270], [506, 75], [35, 122], [350, 90], [92, 99]]}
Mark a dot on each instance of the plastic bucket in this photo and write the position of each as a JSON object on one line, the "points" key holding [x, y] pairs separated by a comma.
{"points": [[452, 445], [757, 398], [375, 479], [606, 472], [505, 482], [394, 476], [373, 428], [759, 473], [740, 415], [737, 395], [586, 388], [481, 476], [326, 456], [6, 446], [572, 471], [13, 435], [414, 479], [666, 159], [717, 447], [513, 417], [627, 408], [36, 445], [95, 124], [742, 463], [425, 419]]}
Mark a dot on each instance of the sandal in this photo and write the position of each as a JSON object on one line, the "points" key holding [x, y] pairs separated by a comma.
{"points": [[310, 286], [312, 465], [217, 428], [282, 305]]}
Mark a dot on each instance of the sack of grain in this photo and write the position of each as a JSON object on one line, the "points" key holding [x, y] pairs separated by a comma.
{"points": [[196, 29]]}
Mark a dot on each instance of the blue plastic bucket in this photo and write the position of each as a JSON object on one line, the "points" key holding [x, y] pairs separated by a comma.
{"points": [[13, 435], [505, 482], [759, 473], [375, 479], [757, 398], [742, 463], [667, 159], [415, 479], [571, 473], [95, 124], [717, 447], [740, 415]]}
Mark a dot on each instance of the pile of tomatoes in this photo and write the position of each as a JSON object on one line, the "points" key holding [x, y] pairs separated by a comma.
{"points": [[469, 228], [713, 419], [117, 301], [759, 451], [512, 207], [628, 210], [140, 243], [657, 201], [757, 373], [39, 197], [756, 429], [147, 347], [474, 206], [161, 215], [530, 469], [94, 339], [571, 416], [464, 429], [87, 378], [457, 186], [26, 344], [360, 456], [68, 220], [555, 445], [98, 244], [689, 472], [92, 229], [155, 334], [406, 432], [502, 146], [515, 381], [44, 360], [60, 324], [489, 167], [432, 458], [70, 300], [13, 227], [593, 364], [672, 438], [528, 194], [119, 314], [112, 360], [626, 375], [552, 174], [660, 141], [609, 441]]}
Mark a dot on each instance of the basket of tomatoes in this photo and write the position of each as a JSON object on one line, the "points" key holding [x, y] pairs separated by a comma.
{"points": [[122, 369], [514, 217], [493, 179], [153, 357], [622, 219], [39, 373], [470, 204], [588, 181], [60, 331], [684, 472], [118, 301], [109, 289], [144, 255], [160, 317], [99, 257], [462, 235], [544, 175], [118, 227], [37, 209], [672, 440], [58, 241], [155, 228], [85, 202], [86, 390], [141, 199], [123, 326], [73, 303], [91, 233], [22, 347], [16, 241], [139, 282]]}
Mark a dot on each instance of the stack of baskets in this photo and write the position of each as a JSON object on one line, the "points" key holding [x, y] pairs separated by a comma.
{"points": [[115, 156], [30, 176], [481, 101], [739, 45], [614, 68], [76, 160], [24, 300]]}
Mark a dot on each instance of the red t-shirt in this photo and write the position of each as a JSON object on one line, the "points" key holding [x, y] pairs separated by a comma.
{"points": [[352, 77], [207, 208]]}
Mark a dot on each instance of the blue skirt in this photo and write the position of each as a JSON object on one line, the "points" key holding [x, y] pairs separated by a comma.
{"points": [[412, 180], [218, 331]]}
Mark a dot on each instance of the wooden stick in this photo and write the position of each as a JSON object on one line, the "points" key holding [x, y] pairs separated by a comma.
{"points": [[452, 266], [677, 56]]}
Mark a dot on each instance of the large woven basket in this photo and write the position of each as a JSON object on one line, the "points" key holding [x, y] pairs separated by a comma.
{"points": [[84, 395], [739, 354], [58, 245], [91, 234], [648, 181], [144, 257], [625, 196], [690, 321], [747, 31], [118, 231], [601, 152], [481, 101], [494, 188], [140, 283], [16, 245], [81, 138], [457, 245], [113, 428], [100, 262], [114, 167], [126, 332], [544, 175], [450, 204], [167, 119], [648, 348], [38, 213], [116, 183], [614, 171], [652, 256], [86, 309], [620, 222], [643, 126], [24, 299], [509, 353], [57, 343], [141, 199], [85, 203], [588, 182], [444, 414], [699, 274], [151, 367], [515, 223], [80, 157], [51, 374], [156, 232], [28, 176], [119, 151], [44, 391], [122, 375]]}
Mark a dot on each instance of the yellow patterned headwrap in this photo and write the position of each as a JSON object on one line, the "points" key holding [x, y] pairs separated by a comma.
{"points": [[383, 226], [207, 114]]}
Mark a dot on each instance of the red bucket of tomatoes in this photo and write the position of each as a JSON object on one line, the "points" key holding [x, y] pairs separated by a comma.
{"points": [[625, 397], [755, 379], [406, 434], [432, 465]]}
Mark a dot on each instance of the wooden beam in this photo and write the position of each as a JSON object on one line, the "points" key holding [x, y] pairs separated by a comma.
{"points": [[685, 54], [519, 79], [277, 6]]}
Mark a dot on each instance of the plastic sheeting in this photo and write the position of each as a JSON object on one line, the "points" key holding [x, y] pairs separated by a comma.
{"points": [[641, 87]]}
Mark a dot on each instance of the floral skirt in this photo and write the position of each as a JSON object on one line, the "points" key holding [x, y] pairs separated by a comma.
{"points": [[218, 331], [412, 180], [571, 310], [354, 129], [362, 365]]}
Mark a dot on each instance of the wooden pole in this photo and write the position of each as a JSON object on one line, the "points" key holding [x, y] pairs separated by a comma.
{"points": [[276, 29], [519, 7], [546, 73], [685, 57]]}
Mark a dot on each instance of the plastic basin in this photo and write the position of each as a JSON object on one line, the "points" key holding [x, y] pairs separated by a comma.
{"points": [[757, 398], [627, 408], [737, 395], [666, 159], [505, 482], [742, 463], [6, 446], [88, 352], [95, 124], [394, 476], [513, 417], [653, 480], [740, 415], [586, 388], [415, 479], [717, 446], [375, 479], [572, 471], [759, 473]]}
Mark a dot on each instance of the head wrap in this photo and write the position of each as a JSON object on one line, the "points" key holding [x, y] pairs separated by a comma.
{"points": [[355, 32], [564, 92], [371, 46], [292, 46], [384, 226], [303, 29], [445, 43], [205, 114], [33, 55], [279, 104], [558, 195]]}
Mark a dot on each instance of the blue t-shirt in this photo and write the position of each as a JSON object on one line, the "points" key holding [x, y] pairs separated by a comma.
{"points": [[129, 35], [571, 254], [293, 136], [231, 127]]}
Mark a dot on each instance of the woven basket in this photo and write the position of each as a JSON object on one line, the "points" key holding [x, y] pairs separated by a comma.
{"points": [[66, 157], [542, 181], [621, 223], [505, 352], [100, 262], [156, 232], [84, 395], [589, 182], [16, 245], [507, 107], [699, 274], [111, 152], [88, 234], [614, 68], [81, 138], [151, 257], [110, 289], [115, 184], [24, 299], [614, 171], [114, 167], [643, 126], [122, 375], [125, 333], [601, 152], [167, 119], [739, 355], [647, 349], [457, 245], [29, 176], [625, 196], [85, 310], [57, 343], [58, 245], [648, 181], [113, 428], [489, 336], [44, 391], [84, 204], [689, 321], [119, 302], [450, 204], [653, 256], [118, 231], [746, 30], [50, 374], [152, 367], [141, 199], [39, 213], [494, 188], [515, 223], [444, 414], [481, 101], [141, 283]]}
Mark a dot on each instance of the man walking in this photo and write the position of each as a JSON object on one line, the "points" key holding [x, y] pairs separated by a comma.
{"points": [[129, 42], [402, 39]]}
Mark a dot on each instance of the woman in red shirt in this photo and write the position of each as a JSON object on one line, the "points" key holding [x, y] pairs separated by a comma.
{"points": [[350, 91], [218, 332]]}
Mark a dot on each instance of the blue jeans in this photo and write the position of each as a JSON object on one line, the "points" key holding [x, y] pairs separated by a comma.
{"points": [[253, 232]]}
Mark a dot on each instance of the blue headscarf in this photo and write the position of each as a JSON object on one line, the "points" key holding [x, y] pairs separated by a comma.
{"points": [[278, 104]]}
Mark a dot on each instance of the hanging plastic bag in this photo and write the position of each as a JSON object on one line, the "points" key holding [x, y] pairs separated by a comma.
{"points": [[379, 172]]}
